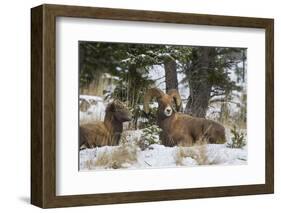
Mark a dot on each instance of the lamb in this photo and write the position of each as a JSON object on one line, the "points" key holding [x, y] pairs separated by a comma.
{"points": [[178, 128], [108, 132]]}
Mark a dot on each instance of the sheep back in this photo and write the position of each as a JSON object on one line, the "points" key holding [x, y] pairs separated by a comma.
{"points": [[182, 129], [93, 135]]}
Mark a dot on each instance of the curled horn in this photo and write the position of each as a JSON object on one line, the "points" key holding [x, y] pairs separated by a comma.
{"points": [[151, 93], [176, 96]]}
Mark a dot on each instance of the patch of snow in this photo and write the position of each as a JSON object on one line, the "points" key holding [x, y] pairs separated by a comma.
{"points": [[127, 60], [132, 135], [95, 112], [91, 97], [221, 155], [164, 55], [157, 73]]}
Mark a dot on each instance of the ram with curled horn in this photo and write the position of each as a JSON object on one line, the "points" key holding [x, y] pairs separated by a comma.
{"points": [[178, 128]]}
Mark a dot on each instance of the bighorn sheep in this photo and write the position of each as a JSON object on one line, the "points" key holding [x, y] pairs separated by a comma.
{"points": [[108, 132], [178, 128]]}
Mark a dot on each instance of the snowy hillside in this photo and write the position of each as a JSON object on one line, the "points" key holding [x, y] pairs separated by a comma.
{"points": [[134, 152], [131, 156]]}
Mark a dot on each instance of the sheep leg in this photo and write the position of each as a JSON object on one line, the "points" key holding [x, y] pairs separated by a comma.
{"points": [[166, 140]]}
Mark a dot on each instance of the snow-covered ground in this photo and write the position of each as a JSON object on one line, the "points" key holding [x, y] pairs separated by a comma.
{"points": [[129, 155], [158, 156]]}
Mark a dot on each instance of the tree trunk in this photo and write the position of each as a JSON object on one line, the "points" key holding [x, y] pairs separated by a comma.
{"points": [[244, 59], [199, 86], [131, 89], [198, 102], [171, 74]]}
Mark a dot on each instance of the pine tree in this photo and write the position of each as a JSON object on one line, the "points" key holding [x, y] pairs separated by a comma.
{"points": [[207, 75]]}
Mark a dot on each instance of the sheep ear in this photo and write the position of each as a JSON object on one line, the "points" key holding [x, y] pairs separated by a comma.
{"points": [[111, 107]]}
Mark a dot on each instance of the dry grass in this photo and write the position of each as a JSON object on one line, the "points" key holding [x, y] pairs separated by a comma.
{"points": [[197, 152], [180, 155], [118, 157]]}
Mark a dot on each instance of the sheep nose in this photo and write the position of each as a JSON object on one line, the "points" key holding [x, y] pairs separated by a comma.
{"points": [[168, 110]]}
